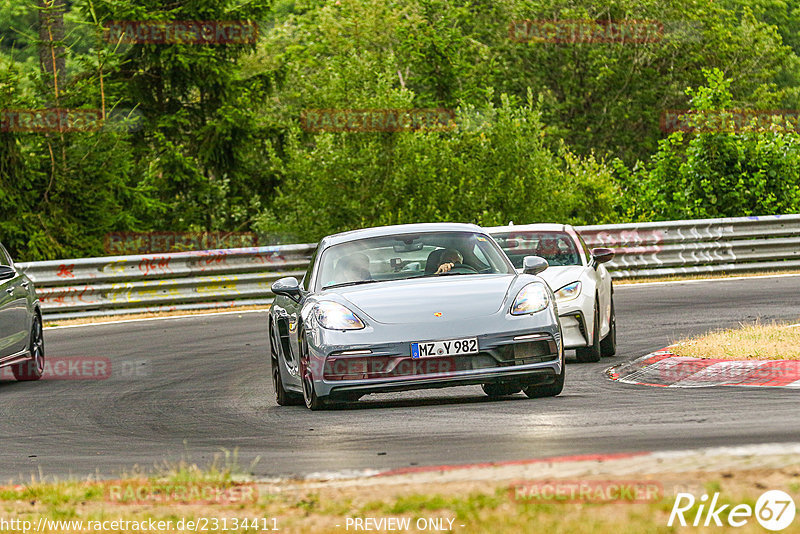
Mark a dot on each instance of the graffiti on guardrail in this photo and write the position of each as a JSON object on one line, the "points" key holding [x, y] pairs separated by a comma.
{"points": [[626, 238], [60, 296], [159, 265], [65, 271]]}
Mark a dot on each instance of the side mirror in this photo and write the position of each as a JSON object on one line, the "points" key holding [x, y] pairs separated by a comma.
{"points": [[602, 255], [288, 287], [7, 272], [534, 264]]}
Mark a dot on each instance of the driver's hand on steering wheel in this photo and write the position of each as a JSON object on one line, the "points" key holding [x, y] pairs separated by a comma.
{"points": [[445, 267]]}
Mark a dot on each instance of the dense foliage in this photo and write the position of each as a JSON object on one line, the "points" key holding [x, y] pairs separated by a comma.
{"points": [[210, 137]]}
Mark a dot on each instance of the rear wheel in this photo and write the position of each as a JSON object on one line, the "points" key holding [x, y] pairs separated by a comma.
{"points": [[500, 390], [312, 400], [592, 352], [32, 369], [282, 397], [608, 347]]}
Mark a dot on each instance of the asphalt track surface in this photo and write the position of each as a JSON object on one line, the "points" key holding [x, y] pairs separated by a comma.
{"points": [[203, 386]]}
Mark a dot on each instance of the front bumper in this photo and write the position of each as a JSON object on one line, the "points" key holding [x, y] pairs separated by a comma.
{"points": [[527, 352]]}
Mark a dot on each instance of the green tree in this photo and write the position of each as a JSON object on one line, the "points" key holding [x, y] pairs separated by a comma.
{"points": [[755, 171]]}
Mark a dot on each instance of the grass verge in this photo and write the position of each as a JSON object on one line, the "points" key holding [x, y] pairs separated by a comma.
{"points": [[747, 342]]}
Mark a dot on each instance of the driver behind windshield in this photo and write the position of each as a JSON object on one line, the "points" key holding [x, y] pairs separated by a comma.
{"points": [[450, 258]]}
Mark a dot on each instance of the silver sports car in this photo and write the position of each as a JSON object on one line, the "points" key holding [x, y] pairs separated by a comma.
{"points": [[409, 307]]}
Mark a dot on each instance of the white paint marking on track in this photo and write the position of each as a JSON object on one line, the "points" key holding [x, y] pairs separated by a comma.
{"points": [[622, 284]]}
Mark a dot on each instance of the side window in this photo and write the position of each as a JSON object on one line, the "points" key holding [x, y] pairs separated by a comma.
{"points": [[307, 277]]}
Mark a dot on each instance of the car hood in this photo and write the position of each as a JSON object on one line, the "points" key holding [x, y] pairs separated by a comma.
{"points": [[561, 275], [412, 301]]}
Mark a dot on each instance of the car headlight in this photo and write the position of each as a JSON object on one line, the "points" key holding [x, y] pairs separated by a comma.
{"points": [[334, 316], [568, 292], [530, 299]]}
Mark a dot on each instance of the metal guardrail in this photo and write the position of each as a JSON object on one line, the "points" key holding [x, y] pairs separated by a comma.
{"points": [[164, 282], [243, 276]]}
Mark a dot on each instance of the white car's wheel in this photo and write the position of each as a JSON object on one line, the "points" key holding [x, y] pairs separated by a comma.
{"points": [[608, 347]]}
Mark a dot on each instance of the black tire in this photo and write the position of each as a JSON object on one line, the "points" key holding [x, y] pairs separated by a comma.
{"points": [[608, 347], [312, 400], [548, 390], [282, 397], [32, 369], [500, 390], [592, 352]]}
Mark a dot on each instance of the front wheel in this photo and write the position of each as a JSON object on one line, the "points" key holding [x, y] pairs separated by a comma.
{"points": [[32, 369], [312, 400], [548, 390], [282, 397]]}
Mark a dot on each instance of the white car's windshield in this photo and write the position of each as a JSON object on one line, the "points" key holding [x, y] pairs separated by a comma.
{"points": [[558, 248], [404, 256]]}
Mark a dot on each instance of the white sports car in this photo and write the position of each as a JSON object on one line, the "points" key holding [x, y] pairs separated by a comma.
{"points": [[581, 283]]}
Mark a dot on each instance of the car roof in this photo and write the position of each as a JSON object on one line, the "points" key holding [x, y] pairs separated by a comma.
{"points": [[397, 229], [542, 227]]}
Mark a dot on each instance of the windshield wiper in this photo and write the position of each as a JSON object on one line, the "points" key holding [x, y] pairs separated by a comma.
{"points": [[354, 283]]}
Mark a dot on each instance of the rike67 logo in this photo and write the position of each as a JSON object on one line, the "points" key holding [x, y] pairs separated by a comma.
{"points": [[774, 510]]}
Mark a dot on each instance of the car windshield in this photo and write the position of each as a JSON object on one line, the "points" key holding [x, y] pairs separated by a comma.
{"points": [[403, 256], [558, 248]]}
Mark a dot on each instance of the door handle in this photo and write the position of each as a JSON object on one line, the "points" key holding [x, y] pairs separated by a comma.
{"points": [[10, 290], [25, 284]]}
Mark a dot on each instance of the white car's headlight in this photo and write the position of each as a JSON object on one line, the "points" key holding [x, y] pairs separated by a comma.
{"points": [[568, 292], [334, 316], [530, 299]]}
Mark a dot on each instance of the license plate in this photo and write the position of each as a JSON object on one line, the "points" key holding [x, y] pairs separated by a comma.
{"points": [[453, 347]]}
